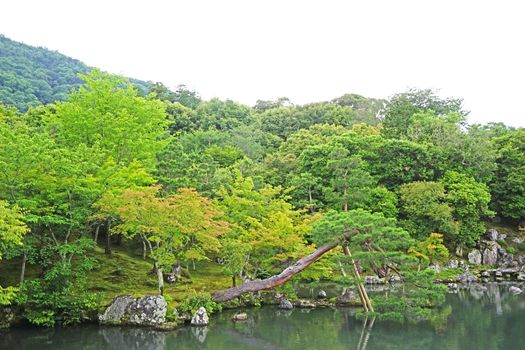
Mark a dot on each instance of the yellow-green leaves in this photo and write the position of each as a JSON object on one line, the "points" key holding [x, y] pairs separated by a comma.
{"points": [[12, 226]]}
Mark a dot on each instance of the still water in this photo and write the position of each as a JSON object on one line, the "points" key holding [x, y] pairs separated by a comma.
{"points": [[471, 319]]}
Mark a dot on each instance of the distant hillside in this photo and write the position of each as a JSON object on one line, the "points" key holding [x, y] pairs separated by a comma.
{"points": [[30, 76]]}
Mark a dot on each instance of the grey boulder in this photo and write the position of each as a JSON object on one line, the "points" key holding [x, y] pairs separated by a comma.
{"points": [[474, 257], [200, 318], [149, 310], [490, 254], [285, 304]]}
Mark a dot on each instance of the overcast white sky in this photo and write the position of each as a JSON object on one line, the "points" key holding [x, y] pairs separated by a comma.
{"points": [[305, 50]]}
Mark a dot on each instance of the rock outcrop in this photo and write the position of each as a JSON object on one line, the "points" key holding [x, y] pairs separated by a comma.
{"points": [[474, 257], [490, 254], [149, 310], [305, 304], [493, 234]]}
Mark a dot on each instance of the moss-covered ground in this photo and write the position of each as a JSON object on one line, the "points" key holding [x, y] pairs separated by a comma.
{"points": [[125, 272]]}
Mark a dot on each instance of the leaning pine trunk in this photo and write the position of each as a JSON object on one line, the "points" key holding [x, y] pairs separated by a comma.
{"points": [[274, 281]]}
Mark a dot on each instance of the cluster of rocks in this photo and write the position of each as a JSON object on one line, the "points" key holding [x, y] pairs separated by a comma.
{"points": [[491, 253], [501, 265], [286, 304], [148, 311], [378, 280]]}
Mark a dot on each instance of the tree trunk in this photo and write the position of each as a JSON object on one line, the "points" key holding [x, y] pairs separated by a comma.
{"points": [[144, 250], [274, 281], [311, 200], [367, 304], [108, 238], [97, 230], [345, 194], [234, 281], [160, 278], [23, 270]]}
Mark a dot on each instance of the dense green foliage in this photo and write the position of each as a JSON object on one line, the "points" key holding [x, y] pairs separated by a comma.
{"points": [[32, 76], [187, 181]]}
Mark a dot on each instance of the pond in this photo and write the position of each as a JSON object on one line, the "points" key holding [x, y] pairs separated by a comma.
{"points": [[474, 318]]}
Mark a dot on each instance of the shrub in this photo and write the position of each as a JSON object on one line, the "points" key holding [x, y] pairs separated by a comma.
{"points": [[195, 300], [61, 294]]}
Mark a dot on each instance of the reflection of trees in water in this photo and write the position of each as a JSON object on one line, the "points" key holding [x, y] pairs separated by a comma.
{"points": [[491, 295]]}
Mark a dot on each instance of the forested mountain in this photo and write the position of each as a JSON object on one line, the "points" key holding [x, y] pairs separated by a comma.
{"points": [[31, 76]]}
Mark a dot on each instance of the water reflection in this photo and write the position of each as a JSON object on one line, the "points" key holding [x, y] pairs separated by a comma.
{"points": [[200, 333], [477, 317]]}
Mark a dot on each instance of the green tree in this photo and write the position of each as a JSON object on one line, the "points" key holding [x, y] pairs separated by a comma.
{"points": [[263, 219], [469, 200], [460, 149], [378, 244], [401, 108], [508, 185], [424, 210], [107, 114]]}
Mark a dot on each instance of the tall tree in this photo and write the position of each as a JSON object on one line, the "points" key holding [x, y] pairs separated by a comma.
{"points": [[401, 108], [508, 186]]}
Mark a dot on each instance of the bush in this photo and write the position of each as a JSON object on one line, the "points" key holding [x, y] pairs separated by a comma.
{"points": [[60, 296], [199, 299], [7, 295], [521, 247], [511, 250], [449, 274]]}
